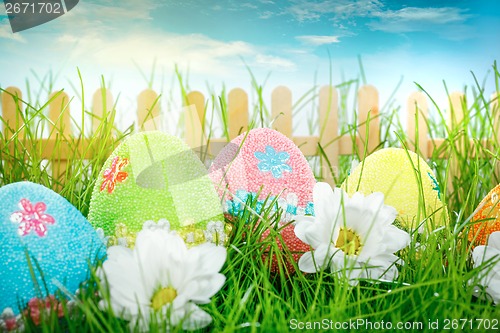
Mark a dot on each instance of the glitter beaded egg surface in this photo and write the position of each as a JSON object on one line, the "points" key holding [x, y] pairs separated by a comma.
{"points": [[406, 181], [153, 179], [260, 164], [46, 243], [487, 217]]}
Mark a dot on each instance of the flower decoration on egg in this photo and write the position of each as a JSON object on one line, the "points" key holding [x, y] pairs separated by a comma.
{"points": [[216, 233], [32, 218], [161, 279], [41, 308], [488, 257], [9, 322], [114, 174], [273, 161], [354, 236]]}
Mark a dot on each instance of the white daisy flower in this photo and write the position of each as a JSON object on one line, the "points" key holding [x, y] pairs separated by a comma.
{"points": [[353, 236], [489, 256], [161, 278]]}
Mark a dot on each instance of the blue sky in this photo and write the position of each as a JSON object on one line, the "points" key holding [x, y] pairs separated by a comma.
{"points": [[296, 41]]}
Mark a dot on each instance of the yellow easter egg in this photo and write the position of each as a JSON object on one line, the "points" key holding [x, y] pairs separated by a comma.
{"points": [[408, 184]]}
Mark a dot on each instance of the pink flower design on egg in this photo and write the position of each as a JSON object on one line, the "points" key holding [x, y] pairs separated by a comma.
{"points": [[32, 218], [39, 308]]}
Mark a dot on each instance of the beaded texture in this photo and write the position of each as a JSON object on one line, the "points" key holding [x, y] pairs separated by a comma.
{"points": [[392, 172], [60, 243], [155, 177], [487, 217], [267, 162]]}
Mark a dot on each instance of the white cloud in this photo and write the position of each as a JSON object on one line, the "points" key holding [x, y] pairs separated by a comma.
{"points": [[316, 40], [448, 22], [417, 19], [266, 15], [306, 10], [201, 53], [249, 5], [97, 42], [6, 32], [274, 62]]}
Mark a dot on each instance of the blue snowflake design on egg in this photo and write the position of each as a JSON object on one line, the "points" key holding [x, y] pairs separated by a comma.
{"points": [[273, 161]]}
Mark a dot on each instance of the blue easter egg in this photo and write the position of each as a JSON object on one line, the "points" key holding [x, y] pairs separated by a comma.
{"points": [[45, 243]]}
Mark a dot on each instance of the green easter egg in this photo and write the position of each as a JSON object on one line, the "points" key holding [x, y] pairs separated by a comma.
{"points": [[408, 184], [154, 180]]}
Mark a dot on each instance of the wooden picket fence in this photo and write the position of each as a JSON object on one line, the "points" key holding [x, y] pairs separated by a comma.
{"points": [[60, 147]]}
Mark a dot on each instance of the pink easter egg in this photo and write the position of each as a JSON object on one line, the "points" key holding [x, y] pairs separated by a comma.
{"points": [[264, 164]]}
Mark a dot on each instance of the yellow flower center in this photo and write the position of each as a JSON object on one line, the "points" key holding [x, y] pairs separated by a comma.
{"points": [[162, 297], [349, 241]]}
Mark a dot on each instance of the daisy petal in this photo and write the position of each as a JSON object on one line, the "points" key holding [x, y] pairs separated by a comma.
{"points": [[303, 223], [212, 257], [306, 263], [196, 318], [494, 240], [323, 200], [483, 253], [201, 290], [395, 239]]}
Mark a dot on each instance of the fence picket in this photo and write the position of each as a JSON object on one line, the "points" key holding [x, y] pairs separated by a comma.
{"points": [[417, 110], [197, 99], [12, 112], [237, 112], [194, 114], [102, 107], [281, 107], [455, 123], [60, 131], [328, 133], [148, 110], [456, 111], [368, 115]]}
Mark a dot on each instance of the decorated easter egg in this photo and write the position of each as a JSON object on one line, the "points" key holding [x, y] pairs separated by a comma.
{"points": [[46, 244], [261, 165], [408, 184], [154, 180], [487, 218]]}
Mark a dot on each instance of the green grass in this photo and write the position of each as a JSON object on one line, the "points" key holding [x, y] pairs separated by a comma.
{"points": [[435, 284]]}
